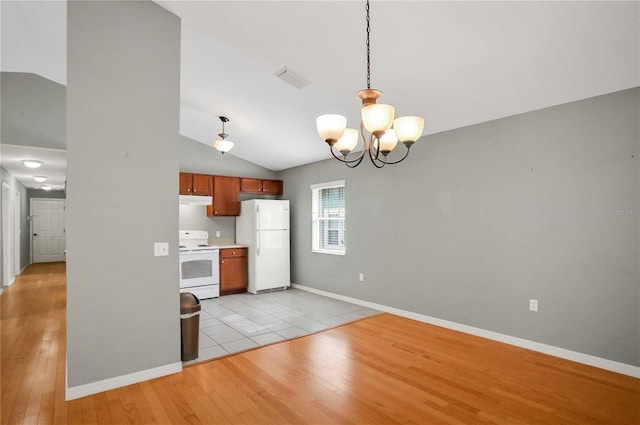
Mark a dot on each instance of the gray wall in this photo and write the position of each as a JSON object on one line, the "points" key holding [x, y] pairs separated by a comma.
{"points": [[33, 111], [196, 157], [123, 63], [480, 219]]}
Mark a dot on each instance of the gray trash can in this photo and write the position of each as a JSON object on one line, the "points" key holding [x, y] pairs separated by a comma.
{"points": [[189, 325]]}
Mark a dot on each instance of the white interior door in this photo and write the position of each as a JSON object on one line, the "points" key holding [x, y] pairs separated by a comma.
{"points": [[47, 230]]}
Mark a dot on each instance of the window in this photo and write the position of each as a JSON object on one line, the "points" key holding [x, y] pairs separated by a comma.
{"points": [[327, 215]]}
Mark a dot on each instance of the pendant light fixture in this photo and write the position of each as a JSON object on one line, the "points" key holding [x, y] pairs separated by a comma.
{"points": [[223, 145], [377, 119]]}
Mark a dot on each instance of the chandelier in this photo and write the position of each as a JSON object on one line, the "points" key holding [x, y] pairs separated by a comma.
{"points": [[377, 119], [223, 145]]}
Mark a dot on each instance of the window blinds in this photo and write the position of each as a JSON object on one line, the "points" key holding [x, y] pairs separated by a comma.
{"points": [[328, 216]]}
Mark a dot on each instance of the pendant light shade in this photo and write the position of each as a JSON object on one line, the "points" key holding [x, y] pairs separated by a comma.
{"points": [[388, 142], [331, 127], [408, 129], [377, 118], [223, 145], [347, 142]]}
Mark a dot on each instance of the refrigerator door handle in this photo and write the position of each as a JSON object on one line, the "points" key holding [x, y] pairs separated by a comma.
{"points": [[258, 217], [258, 230]]}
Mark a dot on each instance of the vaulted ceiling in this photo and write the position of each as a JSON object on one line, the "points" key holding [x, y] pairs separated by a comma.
{"points": [[454, 63]]}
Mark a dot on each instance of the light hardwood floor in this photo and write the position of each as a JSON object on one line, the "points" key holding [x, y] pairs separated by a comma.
{"points": [[380, 370]]}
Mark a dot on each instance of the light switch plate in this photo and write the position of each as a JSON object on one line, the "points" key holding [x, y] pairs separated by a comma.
{"points": [[161, 249]]}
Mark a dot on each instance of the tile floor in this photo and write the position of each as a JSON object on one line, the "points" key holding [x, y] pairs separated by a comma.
{"points": [[234, 323]]}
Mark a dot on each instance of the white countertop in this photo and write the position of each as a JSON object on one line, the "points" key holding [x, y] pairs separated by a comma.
{"points": [[225, 243], [231, 246]]}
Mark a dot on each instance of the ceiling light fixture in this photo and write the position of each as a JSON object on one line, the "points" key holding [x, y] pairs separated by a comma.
{"points": [[45, 187], [223, 145], [40, 179], [377, 119], [32, 163]]}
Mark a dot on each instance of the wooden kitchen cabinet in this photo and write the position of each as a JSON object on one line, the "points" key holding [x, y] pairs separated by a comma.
{"points": [[233, 271], [226, 196], [261, 186], [196, 184]]}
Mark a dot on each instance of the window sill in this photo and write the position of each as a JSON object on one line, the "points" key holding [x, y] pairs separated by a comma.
{"points": [[318, 251]]}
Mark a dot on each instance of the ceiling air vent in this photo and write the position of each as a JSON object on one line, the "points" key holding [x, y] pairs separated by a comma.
{"points": [[290, 77]]}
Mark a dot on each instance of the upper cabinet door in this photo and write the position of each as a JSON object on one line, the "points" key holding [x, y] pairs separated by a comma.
{"points": [[272, 187], [202, 184], [196, 184], [250, 185], [185, 184], [226, 196], [261, 186]]}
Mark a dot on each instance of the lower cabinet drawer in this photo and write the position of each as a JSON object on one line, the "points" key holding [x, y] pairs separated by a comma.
{"points": [[233, 252]]}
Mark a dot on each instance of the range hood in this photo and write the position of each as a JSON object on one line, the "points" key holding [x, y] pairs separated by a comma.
{"points": [[195, 200]]}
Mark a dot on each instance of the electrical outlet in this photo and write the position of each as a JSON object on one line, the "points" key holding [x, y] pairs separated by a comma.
{"points": [[161, 249], [361, 277], [533, 305], [217, 233]]}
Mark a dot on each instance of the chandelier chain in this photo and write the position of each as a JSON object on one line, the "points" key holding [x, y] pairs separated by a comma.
{"points": [[368, 48], [379, 119]]}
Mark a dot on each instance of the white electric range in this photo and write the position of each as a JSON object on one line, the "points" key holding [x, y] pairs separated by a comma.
{"points": [[199, 267]]}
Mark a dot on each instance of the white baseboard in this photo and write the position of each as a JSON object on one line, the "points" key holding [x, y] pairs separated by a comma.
{"points": [[575, 356], [121, 381]]}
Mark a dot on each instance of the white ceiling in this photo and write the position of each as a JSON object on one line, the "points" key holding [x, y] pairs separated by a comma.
{"points": [[454, 63]]}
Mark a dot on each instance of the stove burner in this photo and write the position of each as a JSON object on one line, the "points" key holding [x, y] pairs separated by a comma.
{"points": [[181, 246], [203, 245]]}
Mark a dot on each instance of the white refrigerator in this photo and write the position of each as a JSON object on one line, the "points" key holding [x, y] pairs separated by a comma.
{"points": [[263, 225]]}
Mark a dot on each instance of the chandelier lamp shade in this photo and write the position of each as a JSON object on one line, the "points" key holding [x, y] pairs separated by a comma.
{"points": [[377, 119], [222, 144]]}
